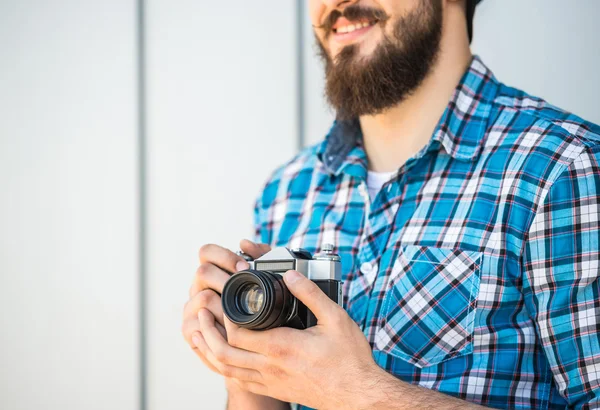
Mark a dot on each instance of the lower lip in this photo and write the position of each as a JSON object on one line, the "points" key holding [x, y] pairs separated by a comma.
{"points": [[347, 38]]}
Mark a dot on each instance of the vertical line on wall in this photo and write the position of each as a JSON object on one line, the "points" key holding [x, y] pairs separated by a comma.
{"points": [[300, 113], [142, 201]]}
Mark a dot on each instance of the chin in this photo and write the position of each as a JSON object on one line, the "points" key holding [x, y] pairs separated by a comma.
{"points": [[366, 48]]}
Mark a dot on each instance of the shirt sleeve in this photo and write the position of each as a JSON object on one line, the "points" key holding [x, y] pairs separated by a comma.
{"points": [[561, 279], [257, 220], [262, 227]]}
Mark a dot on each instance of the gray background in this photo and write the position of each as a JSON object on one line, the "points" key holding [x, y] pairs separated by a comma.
{"points": [[114, 169]]}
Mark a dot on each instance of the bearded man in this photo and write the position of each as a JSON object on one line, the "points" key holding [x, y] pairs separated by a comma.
{"points": [[466, 215]]}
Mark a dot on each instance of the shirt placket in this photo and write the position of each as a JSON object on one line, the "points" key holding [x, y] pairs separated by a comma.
{"points": [[373, 257], [377, 229]]}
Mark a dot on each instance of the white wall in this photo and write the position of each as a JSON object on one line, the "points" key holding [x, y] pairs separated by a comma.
{"points": [[549, 48], [221, 116], [68, 292]]}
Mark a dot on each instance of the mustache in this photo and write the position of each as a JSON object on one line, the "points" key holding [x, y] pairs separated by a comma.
{"points": [[352, 13]]}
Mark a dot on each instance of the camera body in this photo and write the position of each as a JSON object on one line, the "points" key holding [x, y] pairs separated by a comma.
{"points": [[257, 298]]}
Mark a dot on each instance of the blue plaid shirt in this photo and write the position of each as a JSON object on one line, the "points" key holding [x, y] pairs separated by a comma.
{"points": [[474, 271]]}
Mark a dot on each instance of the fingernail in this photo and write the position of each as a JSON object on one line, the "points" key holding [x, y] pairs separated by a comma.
{"points": [[196, 339], [241, 265], [292, 276]]}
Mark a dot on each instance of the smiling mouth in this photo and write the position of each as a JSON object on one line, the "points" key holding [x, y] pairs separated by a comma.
{"points": [[349, 28]]}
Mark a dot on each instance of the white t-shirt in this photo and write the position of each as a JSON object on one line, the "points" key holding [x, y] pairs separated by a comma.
{"points": [[375, 181]]}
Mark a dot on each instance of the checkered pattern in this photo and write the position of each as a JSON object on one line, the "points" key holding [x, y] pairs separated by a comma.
{"points": [[427, 315], [474, 271]]}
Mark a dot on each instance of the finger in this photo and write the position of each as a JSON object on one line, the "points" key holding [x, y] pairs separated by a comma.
{"points": [[252, 387], [192, 325], [199, 348], [227, 370], [307, 292], [256, 250], [209, 276], [275, 343], [221, 257], [206, 299], [222, 351]]}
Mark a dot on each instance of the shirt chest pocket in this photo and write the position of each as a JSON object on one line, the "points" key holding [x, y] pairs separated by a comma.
{"points": [[428, 311]]}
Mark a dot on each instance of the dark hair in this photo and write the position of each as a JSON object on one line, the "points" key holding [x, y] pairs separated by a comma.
{"points": [[471, 4]]}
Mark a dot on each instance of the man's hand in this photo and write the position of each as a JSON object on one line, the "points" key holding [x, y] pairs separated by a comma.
{"points": [[215, 264], [323, 367], [328, 366]]}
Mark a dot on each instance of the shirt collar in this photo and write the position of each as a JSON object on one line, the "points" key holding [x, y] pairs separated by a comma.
{"points": [[460, 131]]}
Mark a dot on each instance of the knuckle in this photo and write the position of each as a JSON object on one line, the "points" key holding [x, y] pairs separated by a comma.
{"points": [[277, 351], [228, 371], [205, 250], [202, 271], [274, 371], [205, 297], [220, 354]]}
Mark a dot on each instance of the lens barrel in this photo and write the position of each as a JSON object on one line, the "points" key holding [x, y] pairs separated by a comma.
{"points": [[257, 300]]}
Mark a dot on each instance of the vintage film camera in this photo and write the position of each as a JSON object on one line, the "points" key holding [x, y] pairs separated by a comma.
{"points": [[257, 298]]}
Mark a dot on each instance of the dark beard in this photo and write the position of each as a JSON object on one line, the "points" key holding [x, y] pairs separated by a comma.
{"points": [[396, 68]]}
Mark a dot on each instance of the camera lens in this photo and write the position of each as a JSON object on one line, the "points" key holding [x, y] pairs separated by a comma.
{"points": [[251, 299], [257, 300]]}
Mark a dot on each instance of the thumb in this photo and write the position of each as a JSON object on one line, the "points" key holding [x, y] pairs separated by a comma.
{"points": [[310, 294], [256, 250]]}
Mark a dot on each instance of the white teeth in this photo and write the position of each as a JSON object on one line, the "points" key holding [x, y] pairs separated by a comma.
{"points": [[352, 27]]}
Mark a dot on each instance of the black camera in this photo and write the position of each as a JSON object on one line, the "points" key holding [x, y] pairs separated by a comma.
{"points": [[257, 298]]}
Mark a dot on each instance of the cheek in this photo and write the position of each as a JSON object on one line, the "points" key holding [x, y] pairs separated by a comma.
{"points": [[316, 12], [317, 15]]}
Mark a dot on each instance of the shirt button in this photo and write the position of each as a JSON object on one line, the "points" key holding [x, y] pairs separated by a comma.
{"points": [[362, 190], [368, 268]]}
